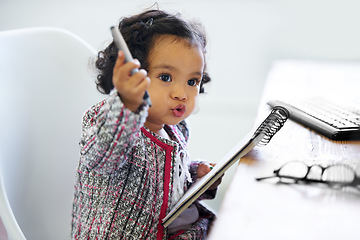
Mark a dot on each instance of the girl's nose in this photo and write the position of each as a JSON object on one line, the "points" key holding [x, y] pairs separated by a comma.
{"points": [[179, 93]]}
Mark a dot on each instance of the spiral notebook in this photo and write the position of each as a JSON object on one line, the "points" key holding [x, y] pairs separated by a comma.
{"points": [[261, 137]]}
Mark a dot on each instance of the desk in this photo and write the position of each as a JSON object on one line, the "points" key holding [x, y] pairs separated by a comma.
{"points": [[267, 210]]}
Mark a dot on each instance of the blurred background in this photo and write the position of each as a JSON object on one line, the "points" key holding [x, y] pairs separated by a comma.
{"points": [[245, 38]]}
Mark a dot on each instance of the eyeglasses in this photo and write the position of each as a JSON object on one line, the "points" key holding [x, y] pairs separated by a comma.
{"points": [[336, 176]]}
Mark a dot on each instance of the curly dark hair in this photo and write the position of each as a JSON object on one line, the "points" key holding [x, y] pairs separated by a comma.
{"points": [[139, 32]]}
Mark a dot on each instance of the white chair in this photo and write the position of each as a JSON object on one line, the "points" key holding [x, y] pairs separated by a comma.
{"points": [[45, 86]]}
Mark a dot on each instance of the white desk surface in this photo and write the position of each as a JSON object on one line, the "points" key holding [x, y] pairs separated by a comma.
{"points": [[268, 210]]}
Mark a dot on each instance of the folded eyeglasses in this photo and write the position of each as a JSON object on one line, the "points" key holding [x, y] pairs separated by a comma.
{"points": [[335, 176]]}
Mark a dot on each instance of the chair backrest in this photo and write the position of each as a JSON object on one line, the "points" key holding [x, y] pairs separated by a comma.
{"points": [[46, 84]]}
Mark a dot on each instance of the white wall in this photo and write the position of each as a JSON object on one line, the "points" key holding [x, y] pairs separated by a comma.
{"points": [[245, 36]]}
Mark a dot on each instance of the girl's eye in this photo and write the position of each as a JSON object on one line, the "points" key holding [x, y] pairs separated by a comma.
{"points": [[193, 82], [165, 77]]}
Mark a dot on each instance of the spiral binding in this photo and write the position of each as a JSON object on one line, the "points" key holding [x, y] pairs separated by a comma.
{"points": [[272, 124]]}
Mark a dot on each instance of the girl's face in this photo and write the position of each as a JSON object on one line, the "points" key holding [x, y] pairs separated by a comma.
{"points": [[175, 69]]}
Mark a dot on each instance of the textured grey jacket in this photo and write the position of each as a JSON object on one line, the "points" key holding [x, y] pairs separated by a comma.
{"points": [[125, 177]]}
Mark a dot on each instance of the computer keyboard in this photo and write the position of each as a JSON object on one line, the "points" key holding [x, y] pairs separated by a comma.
{"points": [[337, 121]]}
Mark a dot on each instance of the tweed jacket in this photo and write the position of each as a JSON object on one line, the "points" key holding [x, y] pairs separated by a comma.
{"points": [[124, 179]]}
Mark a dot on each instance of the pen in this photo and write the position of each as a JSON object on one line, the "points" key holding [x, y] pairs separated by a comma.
{"points": [[121, 45]]}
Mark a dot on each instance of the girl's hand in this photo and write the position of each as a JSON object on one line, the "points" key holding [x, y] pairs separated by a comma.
{"points": [[203, 169], [130, 88]]}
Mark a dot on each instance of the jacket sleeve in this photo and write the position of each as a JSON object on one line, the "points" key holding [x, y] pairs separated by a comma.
{"points": [[109, 132]]}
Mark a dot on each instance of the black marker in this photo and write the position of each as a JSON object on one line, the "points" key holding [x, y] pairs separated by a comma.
{"points": [[121, 45]]}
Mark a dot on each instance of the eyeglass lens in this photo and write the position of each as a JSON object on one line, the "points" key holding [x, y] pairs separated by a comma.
{"points": [[338, 173], [294, 169]]}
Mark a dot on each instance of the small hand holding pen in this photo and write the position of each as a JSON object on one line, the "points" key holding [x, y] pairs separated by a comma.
{"points": [[130, 82]]}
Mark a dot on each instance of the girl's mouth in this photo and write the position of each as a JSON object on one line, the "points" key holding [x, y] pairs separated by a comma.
{"points": [[179, 110]]}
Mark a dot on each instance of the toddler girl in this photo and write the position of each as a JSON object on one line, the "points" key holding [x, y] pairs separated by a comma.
{"points": [[134, 164]]}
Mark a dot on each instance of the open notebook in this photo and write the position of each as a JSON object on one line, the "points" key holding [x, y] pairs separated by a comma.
{"points": [[261, 136]]}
